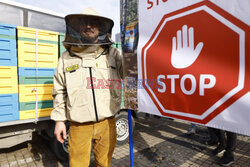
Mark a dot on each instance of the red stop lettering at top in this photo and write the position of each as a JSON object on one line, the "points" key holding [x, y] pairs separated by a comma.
{"points": [[151, 3]]}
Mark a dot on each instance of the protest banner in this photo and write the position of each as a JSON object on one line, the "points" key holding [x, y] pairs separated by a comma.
{"points": [[193, 62]]}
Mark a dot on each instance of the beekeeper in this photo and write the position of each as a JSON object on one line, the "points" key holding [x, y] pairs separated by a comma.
{"points": [[87, 89]]}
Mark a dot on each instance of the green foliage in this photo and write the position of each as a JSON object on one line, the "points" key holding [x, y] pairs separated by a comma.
{"points": [[131, 11]]}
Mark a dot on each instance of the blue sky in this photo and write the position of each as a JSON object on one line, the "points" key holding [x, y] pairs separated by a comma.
{"points": [[107, 8]]}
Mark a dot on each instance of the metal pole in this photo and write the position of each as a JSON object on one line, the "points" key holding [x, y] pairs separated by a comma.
{"points": [[130, 139]]}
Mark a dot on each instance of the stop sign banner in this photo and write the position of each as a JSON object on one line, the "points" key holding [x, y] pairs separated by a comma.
{"points": [[194, 61]]}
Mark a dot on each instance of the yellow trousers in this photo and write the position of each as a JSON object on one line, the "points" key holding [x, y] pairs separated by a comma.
{"points": [[103, 136]]}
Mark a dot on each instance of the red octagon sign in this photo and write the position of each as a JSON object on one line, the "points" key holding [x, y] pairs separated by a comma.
{"points": [[194, 65]]}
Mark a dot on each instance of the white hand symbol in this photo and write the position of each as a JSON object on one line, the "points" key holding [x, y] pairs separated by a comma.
{"points": [[184, 54]]}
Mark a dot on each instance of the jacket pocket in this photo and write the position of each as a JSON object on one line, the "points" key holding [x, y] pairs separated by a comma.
{"points": [[112, 68], [75, 78]]}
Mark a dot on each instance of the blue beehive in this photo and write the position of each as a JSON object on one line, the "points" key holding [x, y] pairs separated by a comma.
{"points": [[8, 54], [9, 107], [8, 70], [29, 75], [31, 71]]}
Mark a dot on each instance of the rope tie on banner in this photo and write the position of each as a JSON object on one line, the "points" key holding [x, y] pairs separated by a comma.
{"points": [[36, 112]]}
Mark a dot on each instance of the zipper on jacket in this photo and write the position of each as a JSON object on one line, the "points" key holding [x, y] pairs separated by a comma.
{"points": [[93, 93]]}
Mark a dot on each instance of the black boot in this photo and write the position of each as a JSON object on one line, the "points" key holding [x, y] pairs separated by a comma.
{"points": [[227, 159], [219, 150]]}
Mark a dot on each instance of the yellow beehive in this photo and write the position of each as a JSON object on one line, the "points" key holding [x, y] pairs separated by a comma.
{"points": [[8, 89], [25, 32], [47, 54], [8, 80], [29, 114], [8, 71], [27, 92]]}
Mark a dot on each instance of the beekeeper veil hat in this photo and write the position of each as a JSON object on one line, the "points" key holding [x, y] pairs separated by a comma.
{"points": [[75, 22]]}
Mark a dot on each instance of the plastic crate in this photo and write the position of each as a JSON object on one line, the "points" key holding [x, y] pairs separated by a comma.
{"points": [[43, 35], [27, 92], [27, 75], [8, 80], [31, 71], [8, 55], [47, 54], [35, 80], [29, 114], [9, 107], [32, 105], [117, 45], [7, 30], [8, 89], [8, 71]]}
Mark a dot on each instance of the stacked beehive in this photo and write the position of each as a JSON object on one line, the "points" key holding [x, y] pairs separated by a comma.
{"points": [[8, 74], [37, 61], [117, 45], [61, 47]]}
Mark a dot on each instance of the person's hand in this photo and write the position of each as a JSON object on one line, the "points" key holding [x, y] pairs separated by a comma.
{"points": [[60, 131], [184, 53]]}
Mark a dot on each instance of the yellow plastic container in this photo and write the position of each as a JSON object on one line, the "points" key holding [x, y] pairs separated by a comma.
{"points": [[8, 71], [47, 54], [8, 80], [26, 32], [8, 89], [27, 92], [29, 114]]}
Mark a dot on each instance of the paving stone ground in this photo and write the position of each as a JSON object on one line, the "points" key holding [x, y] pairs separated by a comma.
{"points": [[164, 143], [157, 143]]}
